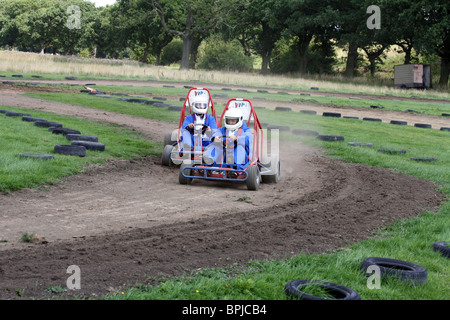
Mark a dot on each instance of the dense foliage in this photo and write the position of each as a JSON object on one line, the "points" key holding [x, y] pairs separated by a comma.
{"points": [[296, 36]]}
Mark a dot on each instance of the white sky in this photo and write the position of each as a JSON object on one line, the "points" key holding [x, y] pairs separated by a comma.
{"points": [[101, 3]]}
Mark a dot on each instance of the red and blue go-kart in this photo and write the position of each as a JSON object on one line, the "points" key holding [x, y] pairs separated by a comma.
{"points": [[174, 152], [260, 166]]}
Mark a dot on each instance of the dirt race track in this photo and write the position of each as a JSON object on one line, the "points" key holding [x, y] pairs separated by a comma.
{"points": [[128, 220]]}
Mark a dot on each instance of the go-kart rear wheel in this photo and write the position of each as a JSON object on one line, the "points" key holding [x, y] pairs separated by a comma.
{"points": [[165, 157], [253, 177], [182, 179]]}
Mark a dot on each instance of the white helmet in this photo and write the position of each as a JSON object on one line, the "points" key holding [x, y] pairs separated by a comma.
{"points": [[230, 115], [200, 104]]}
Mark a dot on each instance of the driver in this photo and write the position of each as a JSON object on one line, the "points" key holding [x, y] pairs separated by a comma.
{"points": [[200, 120], [236, 133]]}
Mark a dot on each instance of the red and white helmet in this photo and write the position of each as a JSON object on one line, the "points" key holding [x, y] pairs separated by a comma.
{"points": [[200, 104], [233, 114]]}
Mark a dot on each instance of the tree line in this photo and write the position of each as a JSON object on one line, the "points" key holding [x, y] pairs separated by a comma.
{"points": [[298, 36]]}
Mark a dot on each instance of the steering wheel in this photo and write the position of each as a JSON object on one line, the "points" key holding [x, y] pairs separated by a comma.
{"points": [[198, 127]]}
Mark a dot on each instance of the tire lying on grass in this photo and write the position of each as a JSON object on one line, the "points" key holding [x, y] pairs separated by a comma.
{"points": [[89, 145], [402, 123], [16, 114], [422, 125], [32, 119], [391, 151], [82, 137], [423, 159], [63, 131], [403, 270], [48, 124], [336, 291], [325, 137], [331, 114], [442, 248], [36, 155], [70, 150]]}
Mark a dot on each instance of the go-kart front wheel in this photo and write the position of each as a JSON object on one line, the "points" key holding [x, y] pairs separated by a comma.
{"points": [[253, 177], [181, 178], [165, 157]]}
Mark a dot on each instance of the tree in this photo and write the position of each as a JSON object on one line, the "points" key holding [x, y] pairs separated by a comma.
{"points": [[306, 19], [192, 17]]}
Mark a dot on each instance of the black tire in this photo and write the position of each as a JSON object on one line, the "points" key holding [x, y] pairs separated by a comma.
{"points": [[16, 114], [372, 119], [36, 155], [308, 111], [402, 123], [168, 139], [70, 78], [445, 114], [32, 119], [331, 114], [283, 108], [89, 145], [337, 291], [182, 179], [165, 156], [253, 177], [377, 107], [314, 88], [422, 125], [330, 137], [403, 270], [47, 124], [442, 248], [445, 129], [70, 150], [391, 151], [82, 137], [423, 159], [64, 131]]}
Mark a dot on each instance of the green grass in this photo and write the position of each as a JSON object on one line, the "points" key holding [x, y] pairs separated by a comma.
{"points": [[265, 280], [431, 108], [19, 136], [114, 105], [409, 240]]}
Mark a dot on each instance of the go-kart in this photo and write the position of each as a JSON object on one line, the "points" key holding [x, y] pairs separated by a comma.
{"points": [[173, 152], [261, 166]]}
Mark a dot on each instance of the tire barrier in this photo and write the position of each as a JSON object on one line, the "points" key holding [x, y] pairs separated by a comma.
{"points": [[89, 145], [445, 129], [422, 125], [47, 124], [442, 248], [372, 119], [283, 109], [360, 144], [423, 159], [391, 151], [82, 137], [16, 114], [36, 155], [403, 270], [70, 150], [331, 114], [402, 123], [293, 289], [330, 137]]}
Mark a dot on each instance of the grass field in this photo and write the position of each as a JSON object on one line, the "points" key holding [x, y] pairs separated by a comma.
{"points": [[30, 64], [409, 240], [19, 136]]}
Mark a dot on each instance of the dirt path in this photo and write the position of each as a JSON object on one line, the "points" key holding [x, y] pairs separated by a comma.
{"points": [[128, 220]]}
